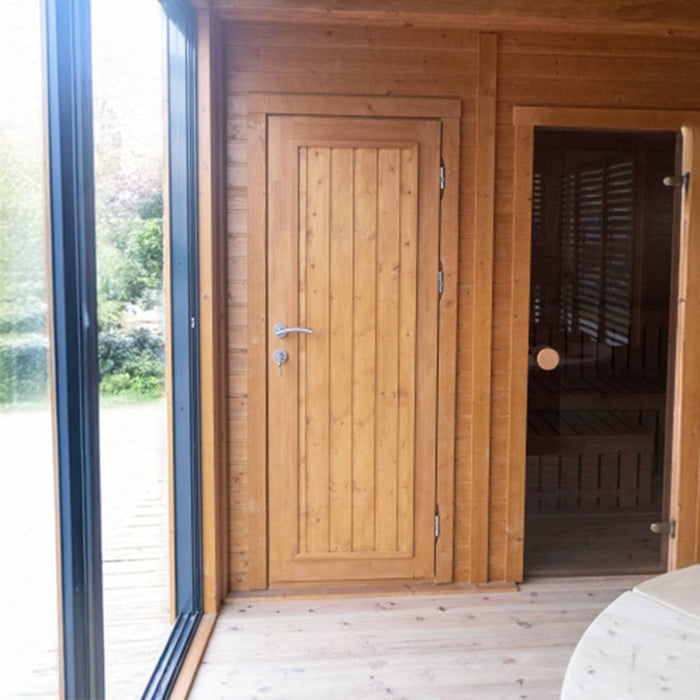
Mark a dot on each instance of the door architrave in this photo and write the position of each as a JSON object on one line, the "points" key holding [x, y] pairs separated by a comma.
{"points": [[684, 549], [260, 107]]}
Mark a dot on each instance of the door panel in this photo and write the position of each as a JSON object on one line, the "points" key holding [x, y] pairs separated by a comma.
{"points": [[684, 548], [602, 229], [353, 221]]}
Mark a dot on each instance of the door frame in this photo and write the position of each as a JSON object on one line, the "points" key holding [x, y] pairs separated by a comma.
{"points": [[447, 111], [684, 549]]}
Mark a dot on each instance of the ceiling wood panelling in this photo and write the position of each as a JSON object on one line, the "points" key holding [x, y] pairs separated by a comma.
{"points": [[665, 17]]}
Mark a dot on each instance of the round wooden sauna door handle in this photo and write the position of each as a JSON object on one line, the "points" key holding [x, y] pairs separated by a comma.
{"points": [[546, 358]]}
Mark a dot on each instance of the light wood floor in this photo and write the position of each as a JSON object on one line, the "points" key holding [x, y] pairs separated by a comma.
{"points": [[469, 646]]}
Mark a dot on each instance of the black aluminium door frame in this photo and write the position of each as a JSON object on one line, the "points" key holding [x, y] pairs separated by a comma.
{"points": [[71, 202], [184, 317], [74, 327]]}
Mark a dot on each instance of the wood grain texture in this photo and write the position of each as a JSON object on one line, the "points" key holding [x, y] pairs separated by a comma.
{"points": [[367, 181], [447, 389], [249, 524], [559, 69], [485, 167], [483, 644], [364, 349], [517, 355], [212, 307], [407, 348], [342, 262], [597, 16], [685, 481]]}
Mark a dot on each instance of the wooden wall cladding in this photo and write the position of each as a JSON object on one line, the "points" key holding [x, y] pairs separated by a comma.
{"points": [[680, 17], [490, 74]]}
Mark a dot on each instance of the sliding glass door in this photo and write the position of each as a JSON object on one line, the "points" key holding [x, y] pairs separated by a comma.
{"points": [[99, 413], [130, 126], [27, 512]]}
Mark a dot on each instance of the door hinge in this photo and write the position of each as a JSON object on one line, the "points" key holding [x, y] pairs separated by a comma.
{"points": [[673, 181], [667, 527], [441, 282], [442, 178], [437, 525]]}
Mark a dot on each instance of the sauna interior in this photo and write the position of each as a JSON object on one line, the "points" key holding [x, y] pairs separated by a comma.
{"points": [[602, 236]]}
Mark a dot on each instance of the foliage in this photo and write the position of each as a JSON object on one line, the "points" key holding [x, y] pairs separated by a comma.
{"points": [[23, 368], [128, 209], [22, 264], [131, 363], [23, 344]]}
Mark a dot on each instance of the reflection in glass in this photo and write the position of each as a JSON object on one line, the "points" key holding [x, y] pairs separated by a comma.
{"points": [[129, 84], [29, 630], [602, 227]]}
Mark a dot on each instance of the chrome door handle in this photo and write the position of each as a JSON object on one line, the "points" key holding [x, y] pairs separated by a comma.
{"points": [[280, 330]]}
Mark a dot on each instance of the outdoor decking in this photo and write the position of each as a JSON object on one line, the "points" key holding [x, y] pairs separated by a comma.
{"points": [[476, 646], [134, 544]]}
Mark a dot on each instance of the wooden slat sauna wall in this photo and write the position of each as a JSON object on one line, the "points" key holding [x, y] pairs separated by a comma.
{"points": [[533, 69]]}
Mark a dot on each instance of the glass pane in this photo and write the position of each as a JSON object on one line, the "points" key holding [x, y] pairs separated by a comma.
{"points": [[602, 231], [129, 93], [29, 629]]}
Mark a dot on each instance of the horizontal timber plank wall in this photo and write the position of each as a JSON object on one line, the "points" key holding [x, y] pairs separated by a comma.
{"points": [[586, 70]]}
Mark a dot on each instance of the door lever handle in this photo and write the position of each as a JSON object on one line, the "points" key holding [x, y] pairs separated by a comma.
{"points": [[280, 330]]}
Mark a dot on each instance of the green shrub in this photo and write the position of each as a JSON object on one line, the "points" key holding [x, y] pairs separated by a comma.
{"points": [[125, 385], [20, 320], [23, 368], [132, 362]]}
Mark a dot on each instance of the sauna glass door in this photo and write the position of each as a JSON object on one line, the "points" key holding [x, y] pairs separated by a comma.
{"points": [[602, 228]]}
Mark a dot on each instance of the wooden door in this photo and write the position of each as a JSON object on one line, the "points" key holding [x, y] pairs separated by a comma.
{"points": [[352, 249], [684, 547]]}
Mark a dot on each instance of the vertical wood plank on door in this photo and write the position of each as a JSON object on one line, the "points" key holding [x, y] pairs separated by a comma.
{"points": [[364, 351], [341, 325], [301, 382], [317, 476], [407, 346], [388, 271]]}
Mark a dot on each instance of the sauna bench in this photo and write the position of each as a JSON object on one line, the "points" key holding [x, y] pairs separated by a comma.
{"points": [[546, 392], [590, 459], [586, 431], [645, 645]]}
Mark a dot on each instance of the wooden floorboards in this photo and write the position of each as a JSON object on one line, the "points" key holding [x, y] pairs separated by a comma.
{"points": [[475, 645]]}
